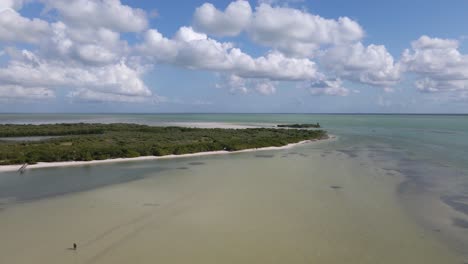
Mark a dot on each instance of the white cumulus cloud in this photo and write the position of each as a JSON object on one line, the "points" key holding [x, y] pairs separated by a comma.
{"points": [[297, 32], [439, 64], [96, 46], [111, 14], [231, 22], [26, 70], [265, 87], [327, 87], [197, 51], [234, 84], [372, 65], [289, 30], [82, 52], [82, 48], [18, 92], [238, 85], [16, 28], [12, 4]]}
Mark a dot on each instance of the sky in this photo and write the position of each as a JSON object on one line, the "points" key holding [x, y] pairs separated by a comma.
{"points": [[266, 56]]}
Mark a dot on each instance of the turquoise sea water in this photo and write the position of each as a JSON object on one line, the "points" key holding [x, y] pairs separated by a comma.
{"points": [[430, 151], [442, 138]]}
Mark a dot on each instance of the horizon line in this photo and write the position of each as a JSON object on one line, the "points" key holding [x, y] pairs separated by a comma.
{"points": [[225, 113]]}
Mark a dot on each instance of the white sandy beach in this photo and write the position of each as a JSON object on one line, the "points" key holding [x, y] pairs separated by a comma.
{"points": [[6, 168]]}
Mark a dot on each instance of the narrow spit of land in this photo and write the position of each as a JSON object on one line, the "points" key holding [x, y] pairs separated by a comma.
{"points": [[86, 142]]}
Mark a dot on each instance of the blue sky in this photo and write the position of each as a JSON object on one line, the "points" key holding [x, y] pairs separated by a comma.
{"points": [[233, 56]]}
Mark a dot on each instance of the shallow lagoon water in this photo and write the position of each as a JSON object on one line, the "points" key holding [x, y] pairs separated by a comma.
{"points": [[391, 189]]}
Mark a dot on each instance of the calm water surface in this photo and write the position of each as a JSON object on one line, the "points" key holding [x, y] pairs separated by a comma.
{"points": [[423, 158]]}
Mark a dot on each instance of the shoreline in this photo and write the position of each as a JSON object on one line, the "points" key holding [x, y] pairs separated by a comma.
{"points": [[40, 165]]}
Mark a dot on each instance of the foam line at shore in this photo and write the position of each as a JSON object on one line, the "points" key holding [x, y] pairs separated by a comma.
{"points": [[39, 165]]}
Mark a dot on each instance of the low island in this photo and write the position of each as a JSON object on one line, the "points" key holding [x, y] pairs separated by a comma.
{"points": [[86, 142]]}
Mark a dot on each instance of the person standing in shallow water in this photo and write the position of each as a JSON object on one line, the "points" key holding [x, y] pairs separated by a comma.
{"points": [[74, 246]]}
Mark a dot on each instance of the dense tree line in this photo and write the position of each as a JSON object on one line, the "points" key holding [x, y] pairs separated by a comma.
{"points": [[82, 142], [10, 130]]}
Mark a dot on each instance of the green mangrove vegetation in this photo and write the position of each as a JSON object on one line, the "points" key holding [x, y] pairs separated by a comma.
{"points": [[82, 142]]}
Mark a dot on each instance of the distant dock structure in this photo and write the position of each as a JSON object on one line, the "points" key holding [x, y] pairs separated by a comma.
{"points": [[22, 169]]}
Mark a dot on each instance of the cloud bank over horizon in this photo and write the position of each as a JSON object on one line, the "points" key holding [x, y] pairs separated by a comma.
{"points": [[102, 50]]}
